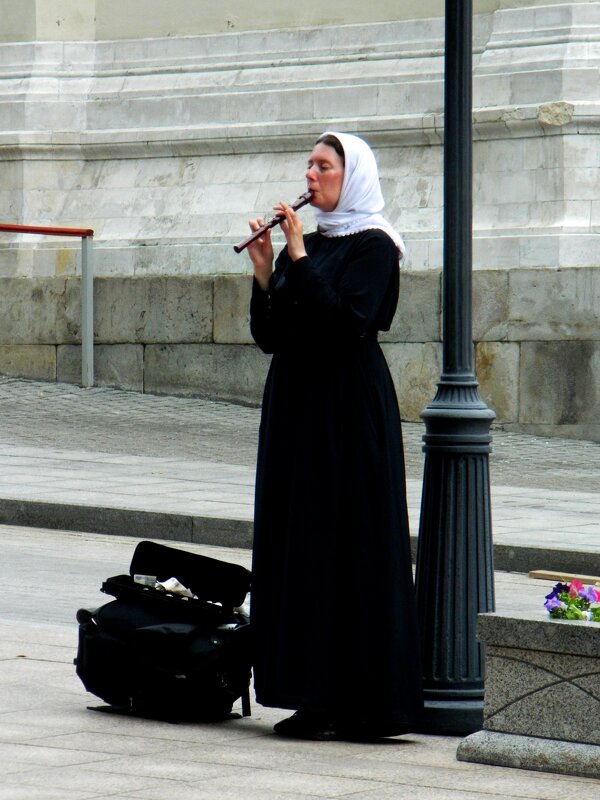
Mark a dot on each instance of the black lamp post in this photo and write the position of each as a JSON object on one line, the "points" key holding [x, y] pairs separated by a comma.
{"points": [[454, 577]]}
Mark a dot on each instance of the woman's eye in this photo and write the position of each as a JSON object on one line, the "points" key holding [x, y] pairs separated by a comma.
{"points": [[319, 167]]}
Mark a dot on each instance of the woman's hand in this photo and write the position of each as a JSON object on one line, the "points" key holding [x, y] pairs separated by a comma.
{"points": [[261, 254], [292, 230]]}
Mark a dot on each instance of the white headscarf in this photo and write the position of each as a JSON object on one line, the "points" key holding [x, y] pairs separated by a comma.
{"points": [[361, 200]]}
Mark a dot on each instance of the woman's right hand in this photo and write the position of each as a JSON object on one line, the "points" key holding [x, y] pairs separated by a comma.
{"points": [[261, 254]]}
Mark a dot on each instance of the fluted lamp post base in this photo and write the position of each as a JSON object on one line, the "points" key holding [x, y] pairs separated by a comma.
{"points": [[454, 577]]}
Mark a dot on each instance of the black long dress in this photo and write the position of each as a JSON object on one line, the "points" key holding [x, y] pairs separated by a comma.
{"points": [[332, 592]]}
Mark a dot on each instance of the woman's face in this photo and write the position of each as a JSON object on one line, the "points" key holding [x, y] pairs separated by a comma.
{"points": [[324, 177]]}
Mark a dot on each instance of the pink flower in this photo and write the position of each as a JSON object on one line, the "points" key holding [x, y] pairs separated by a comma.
{"points": [[574, 588]]}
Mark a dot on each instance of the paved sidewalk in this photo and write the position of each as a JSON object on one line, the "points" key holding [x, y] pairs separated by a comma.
{"points": [[111, 461], [53, 748], [148, 466]]}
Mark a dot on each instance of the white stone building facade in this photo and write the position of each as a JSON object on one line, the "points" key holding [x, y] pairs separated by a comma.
{"points": [[164, 131]]}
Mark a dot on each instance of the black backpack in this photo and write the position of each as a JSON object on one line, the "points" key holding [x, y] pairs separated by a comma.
{"points": [[158, 654]]}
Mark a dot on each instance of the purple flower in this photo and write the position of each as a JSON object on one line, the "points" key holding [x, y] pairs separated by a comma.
{"points": [[588, 594], [552, 602]]}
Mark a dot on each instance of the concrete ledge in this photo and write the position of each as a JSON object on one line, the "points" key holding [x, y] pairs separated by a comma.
{"points": [[90, 519], [517, 558], [541, 635], [127, 522], [228, 532], [530, 752], [222, 532]]}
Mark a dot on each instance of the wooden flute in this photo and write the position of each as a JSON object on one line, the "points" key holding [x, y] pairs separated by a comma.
{"points": [[301, 201]]}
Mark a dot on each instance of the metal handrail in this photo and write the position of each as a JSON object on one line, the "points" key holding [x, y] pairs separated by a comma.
{"points": [[87, 288]]}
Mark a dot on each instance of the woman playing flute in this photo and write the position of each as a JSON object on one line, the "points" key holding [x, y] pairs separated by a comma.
{"points": [[333, 610]]}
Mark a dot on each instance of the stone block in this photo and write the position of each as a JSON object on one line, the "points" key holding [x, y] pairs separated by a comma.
{"points": [[150, 310], [419, 190], [48, 259], [559, 383], [526, 691], [420, 220], [580, 151], [14, 261], [331, 102], [545, 152], [537, 667], [490, 305], [213, 257], [491, 187], [525, 90], [494, 216], [160, 259], [417, 318], [231, 309], [538, 252], [578, 85], [496, 86], [415, 370], [492, 252], [114, 261], [235, 373], [37, 362], [423, 255], [579, 250], [429, 96], [116, 365], [549, 184], [411, 161], [572, 214], [39, 310], [554, 305], [542, 700], [497, 370], [506, 154], [531, 753]]}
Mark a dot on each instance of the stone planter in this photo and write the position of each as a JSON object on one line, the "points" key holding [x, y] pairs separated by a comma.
{"points": [[542, 696]]}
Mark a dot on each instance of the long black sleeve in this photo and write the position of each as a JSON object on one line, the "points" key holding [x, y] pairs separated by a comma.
{"points": [[342, 289]]}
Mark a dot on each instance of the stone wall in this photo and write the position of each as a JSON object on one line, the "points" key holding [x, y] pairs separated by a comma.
{"points": [[166, 146], [190, 335]]}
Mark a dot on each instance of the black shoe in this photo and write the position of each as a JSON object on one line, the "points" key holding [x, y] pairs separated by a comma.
{"points": [[304, 725]]}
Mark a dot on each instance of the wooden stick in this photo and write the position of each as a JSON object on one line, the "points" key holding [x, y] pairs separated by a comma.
{"points": [[564, 577]]}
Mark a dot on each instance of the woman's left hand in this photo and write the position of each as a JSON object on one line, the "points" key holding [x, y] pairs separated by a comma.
{"points": [[292, 230]]}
